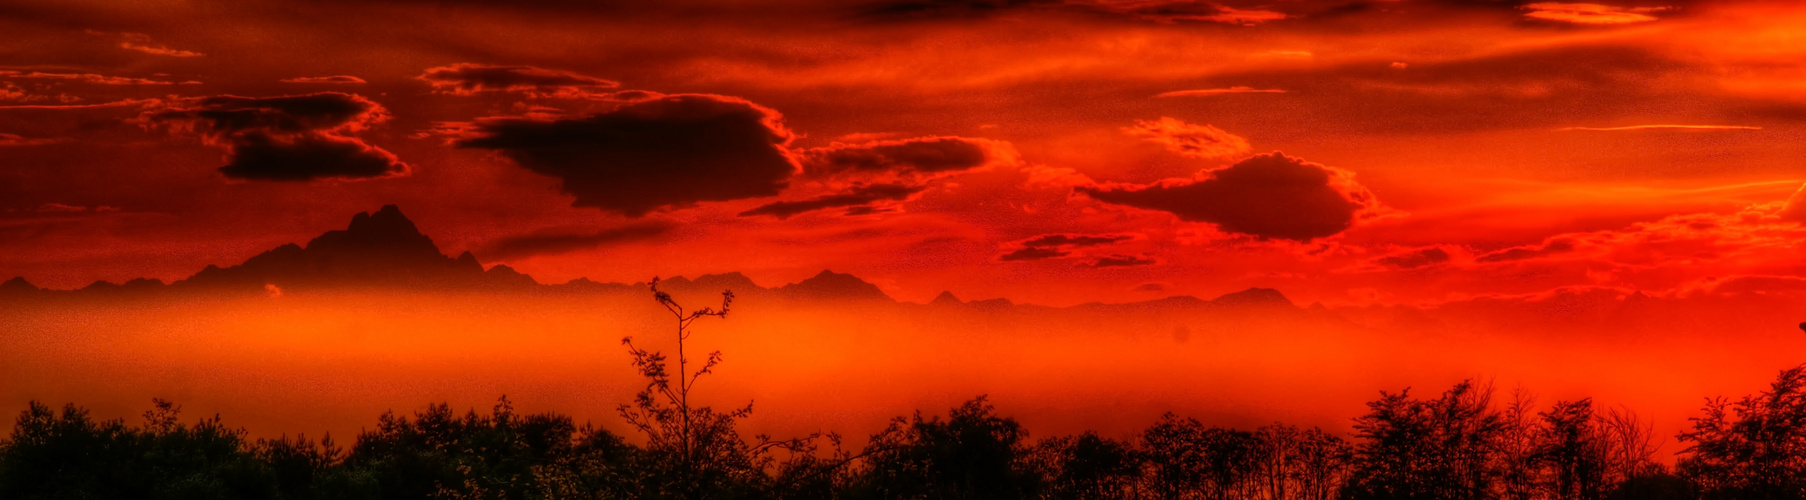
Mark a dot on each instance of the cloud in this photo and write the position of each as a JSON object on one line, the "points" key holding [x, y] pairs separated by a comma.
{"points": [[471, 78], [1049, 246], [1547, 248], [306, 157], [1168, 11], [1185, 139], [920, 155], [1161, 11], [1795, 208], [60, 208], [1424, 257], [1075, 240], [1271, 196], [83, 77], [1589, 13], [670, 152], [1033, 253], [7, 140], [858, 196], [142, 43], [553, 243], [334, 79], [285, 138], [1744, 284], [1662, 127], [1213, 92], [1119, 260], [114, 104]]}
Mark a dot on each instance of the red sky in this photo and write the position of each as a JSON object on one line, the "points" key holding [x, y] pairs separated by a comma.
{"points": [[1052, 152]]}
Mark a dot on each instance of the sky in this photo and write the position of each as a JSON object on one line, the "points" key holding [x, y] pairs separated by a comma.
{"points": [[1350, 153]]}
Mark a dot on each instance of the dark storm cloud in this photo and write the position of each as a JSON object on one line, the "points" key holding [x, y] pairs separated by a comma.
{"points": [[670, 152], [1414, 259], [858, 196], [469, 79], [285, 138], [266, 157], [552, 243], [925, 155], [1033, 253], [1271, 196], [1119, 260]]}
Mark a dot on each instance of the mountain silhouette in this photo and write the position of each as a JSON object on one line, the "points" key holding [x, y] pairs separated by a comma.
{"points": [[833, 285], [1257, 296], [377, 249], [17, 286], [946, 298]]}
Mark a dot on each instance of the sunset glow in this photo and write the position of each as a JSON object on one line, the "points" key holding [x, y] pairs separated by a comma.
{"points": [[1094, 211]]}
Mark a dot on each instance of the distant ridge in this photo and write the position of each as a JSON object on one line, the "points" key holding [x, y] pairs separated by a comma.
{"points": [[385, 249]]}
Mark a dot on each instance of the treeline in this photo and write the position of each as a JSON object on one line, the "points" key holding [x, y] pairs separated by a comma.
{"points": [[1461, 444]]}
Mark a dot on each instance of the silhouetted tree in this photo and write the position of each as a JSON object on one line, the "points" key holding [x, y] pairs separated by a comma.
{"points": [[1574, 450], [1321, 465], [1520, 474], [66, 454], [1427, 449], [598, 465], [1189, 460], [441, 455], [973, 454], [1630, 447], [696, 452], [1087, 467], [1753, 448]]}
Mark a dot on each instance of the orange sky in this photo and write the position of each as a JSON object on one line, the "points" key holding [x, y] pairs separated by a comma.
{"points": [[1432, 150]]}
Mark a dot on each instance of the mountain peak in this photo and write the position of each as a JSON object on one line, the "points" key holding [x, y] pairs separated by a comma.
{"points": [[17, 285], [832, 285], [386, 228], [376, 248], [946, 298], [1255, 296]]}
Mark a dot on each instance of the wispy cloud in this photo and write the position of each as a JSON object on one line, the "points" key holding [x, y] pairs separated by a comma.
{"points": [[1663, 127], [1588, 13], [1211, 92], [114, 104], [334, 79], [142, 43], [85, 77], [17, 140]]}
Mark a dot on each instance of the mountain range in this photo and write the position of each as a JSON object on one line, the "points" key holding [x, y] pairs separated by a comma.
{"points": [[385, 250]]}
